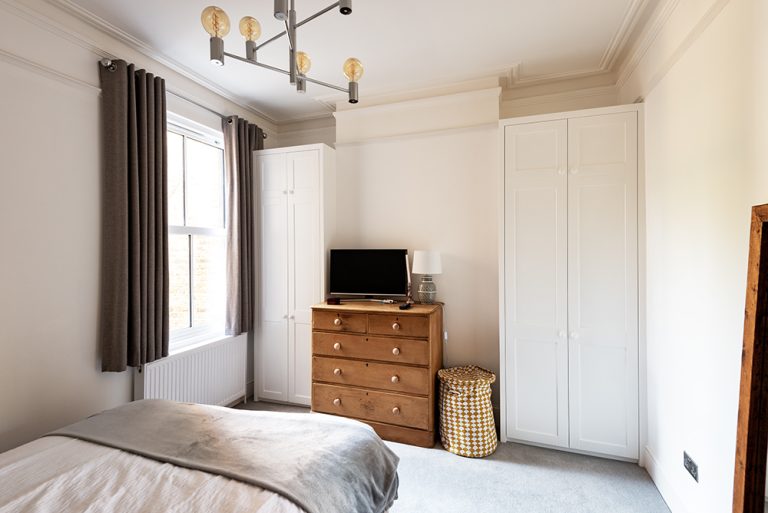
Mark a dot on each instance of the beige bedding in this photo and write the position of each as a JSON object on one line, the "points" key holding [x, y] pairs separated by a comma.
{"points": [[56, 474]]}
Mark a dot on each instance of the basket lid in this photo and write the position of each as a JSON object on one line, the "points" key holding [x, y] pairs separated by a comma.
{"points": [[467, 375]]}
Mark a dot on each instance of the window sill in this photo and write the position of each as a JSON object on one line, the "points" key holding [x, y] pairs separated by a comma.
{"points": [[185, 344]]}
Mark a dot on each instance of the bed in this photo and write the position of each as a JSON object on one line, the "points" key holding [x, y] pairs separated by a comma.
{"points": [[162, 456]]}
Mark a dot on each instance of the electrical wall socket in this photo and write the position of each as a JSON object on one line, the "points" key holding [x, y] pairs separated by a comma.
{"points": [[691, 466]]}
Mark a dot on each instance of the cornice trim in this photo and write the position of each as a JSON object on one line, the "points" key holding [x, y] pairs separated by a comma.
{"points": [[142, 47], [649, 36], [621, 38]]}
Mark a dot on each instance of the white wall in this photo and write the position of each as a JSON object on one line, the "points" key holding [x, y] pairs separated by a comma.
{"points": [[703, 111], [431, 189], [50, 217]]}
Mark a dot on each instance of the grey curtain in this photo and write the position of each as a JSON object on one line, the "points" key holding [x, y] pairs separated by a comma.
{"points": [[134, 301], [241, 139]]}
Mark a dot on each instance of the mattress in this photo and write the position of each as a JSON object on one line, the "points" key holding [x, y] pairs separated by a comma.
{"points": [[58, 474]]}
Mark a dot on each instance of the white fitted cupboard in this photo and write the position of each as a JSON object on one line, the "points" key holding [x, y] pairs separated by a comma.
{"points": [[295, 219], [569, 281]]}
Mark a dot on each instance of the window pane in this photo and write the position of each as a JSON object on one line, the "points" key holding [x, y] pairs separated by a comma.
{"points": [[205, 185], [209, 280], [178, 278], [175, 179]]}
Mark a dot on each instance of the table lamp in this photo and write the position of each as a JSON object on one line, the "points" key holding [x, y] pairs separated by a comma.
{"points": [[427, 263]]}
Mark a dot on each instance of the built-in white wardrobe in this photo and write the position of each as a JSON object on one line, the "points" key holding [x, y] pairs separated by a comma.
{"points": [[295, 220], [569, 281]]}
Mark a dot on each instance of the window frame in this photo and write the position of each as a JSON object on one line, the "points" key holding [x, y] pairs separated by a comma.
{"points": [[183, 338]]}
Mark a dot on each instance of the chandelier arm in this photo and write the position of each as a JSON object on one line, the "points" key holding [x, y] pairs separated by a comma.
{"points": [[284, 72], [275, 38], [317, 14], [299, 24], [326, 84], [259, 64]]}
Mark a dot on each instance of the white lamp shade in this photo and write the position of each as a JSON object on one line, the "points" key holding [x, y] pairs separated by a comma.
{"points": [[427, 262]]}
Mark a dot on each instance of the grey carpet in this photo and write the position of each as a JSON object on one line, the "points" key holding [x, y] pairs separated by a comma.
{"points": [[516, 478]]}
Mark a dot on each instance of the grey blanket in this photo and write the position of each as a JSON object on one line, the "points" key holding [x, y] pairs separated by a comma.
{"points": [[322, 463]]}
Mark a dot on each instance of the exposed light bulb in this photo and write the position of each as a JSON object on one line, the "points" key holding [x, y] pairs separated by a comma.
{"points": [[353, 69], [250, 28], [303, 63], [215, 21]]}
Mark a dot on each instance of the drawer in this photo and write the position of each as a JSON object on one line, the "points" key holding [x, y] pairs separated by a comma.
{"points": [[412, 380], [385, 349], [398, 325], [337, 321], [401, 410]]}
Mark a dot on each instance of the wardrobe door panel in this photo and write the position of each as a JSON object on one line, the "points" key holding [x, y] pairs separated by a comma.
{"points": [[602, 284], [535, 282], [273, 330], [304, 281]]}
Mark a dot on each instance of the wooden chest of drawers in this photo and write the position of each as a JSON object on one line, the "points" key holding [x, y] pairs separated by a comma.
{"points": [[378, 364]]}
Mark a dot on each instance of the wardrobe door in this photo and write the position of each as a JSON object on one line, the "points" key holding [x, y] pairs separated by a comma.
{"points": [[273, 300], [535, 264], [306, 265], [602, 284]]}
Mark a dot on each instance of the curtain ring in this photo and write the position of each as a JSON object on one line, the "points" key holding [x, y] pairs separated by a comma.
{"points": [[107, 63]]}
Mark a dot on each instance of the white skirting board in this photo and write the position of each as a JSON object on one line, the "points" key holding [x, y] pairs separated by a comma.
{"points": [[663, 484], [213, 373]]}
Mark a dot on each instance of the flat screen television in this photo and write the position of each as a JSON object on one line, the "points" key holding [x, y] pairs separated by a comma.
{"points": [[369, 272]]}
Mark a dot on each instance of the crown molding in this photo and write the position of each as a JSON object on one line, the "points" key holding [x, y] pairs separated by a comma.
{"points": [[653, 30], [140, 46], [51, 26], [622, 37], [647, 38], [616, 58]]}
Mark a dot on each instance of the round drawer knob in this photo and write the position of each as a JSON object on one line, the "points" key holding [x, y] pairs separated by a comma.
{"points": [[395, 411], [396, 326], [337, 322], [337, 402], [396, 351], [336, 346], [395, 379], [337, 372]]}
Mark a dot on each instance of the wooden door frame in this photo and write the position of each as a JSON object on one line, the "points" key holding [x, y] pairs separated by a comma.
{"points": [[752, 432]]}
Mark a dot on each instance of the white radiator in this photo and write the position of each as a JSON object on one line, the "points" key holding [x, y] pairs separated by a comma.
{"points": [[210, 374]]}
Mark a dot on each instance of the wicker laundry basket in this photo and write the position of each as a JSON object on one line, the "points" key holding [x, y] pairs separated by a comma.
{"points": [[467, 427]]}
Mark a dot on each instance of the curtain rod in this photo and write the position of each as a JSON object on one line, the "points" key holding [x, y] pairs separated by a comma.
{"points": [[107, 63]]}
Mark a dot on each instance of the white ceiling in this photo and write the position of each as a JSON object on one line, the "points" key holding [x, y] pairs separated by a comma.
{"points": [[403, 44]]}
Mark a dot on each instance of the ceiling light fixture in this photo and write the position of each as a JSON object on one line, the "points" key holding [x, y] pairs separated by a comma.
{"points": [[216, 23]]}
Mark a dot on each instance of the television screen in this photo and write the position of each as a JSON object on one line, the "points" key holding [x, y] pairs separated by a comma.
{"points": [[369, 272]]}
